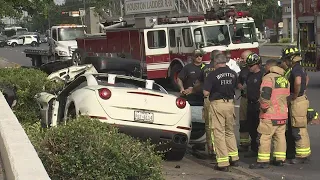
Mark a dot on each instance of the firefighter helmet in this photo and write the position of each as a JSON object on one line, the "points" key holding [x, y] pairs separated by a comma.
{"points": [[290, 51], [253, 59]]}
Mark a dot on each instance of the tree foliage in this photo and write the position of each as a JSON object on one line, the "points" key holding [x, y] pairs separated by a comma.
{"points": [[262, 10]]}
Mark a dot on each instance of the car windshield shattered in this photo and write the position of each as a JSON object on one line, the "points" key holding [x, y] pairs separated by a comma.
{"points": [[214, 35], [243, 33], [68, 34], [128, 83]]}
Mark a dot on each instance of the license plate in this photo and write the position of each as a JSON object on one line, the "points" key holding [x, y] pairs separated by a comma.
{"points": [[143, 116]]}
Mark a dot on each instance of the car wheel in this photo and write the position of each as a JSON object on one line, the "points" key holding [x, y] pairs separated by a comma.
{"points": [[175, 155], [33, 44], [14, 44], [175, 70]]}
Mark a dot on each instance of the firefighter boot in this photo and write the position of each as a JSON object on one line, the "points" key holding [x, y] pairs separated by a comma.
{"points": [[224, 169], [259, 165], [234, 163], [277, 163]]}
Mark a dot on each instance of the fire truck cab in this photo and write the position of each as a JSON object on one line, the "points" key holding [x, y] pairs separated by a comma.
{"points": [[165, 44]]}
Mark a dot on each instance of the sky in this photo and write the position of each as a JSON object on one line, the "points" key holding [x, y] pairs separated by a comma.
{"points": [[59, 2]]}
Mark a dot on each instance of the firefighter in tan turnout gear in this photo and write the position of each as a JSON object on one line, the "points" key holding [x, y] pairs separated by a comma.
{"points": [[274, 90], [219, 87], [299, 103]]}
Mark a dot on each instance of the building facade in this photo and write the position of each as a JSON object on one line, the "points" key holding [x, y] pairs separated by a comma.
{"points": [[286, 19]]}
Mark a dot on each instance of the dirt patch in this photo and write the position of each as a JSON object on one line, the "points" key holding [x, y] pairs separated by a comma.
{"points": [[4, 63]]}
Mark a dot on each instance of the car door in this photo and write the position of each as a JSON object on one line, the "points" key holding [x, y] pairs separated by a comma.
{"points": [[20, 40], [28, 40]]}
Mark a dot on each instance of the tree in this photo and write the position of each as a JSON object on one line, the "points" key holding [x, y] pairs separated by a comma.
{"points": [[262, 10]]}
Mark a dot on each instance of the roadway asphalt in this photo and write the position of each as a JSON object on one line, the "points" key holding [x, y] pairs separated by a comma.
{"points": [[200, 168]]}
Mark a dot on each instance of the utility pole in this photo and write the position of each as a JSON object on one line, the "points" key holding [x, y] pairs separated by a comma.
{"points": [[291, 32]]}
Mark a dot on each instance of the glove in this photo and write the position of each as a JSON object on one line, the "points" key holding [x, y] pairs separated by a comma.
{"points": [[311, 115]]}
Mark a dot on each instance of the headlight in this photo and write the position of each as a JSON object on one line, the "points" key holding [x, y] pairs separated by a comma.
{"points": [[62, 53]]}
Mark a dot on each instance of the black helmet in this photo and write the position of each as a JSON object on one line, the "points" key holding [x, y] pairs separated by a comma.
{"points": [[290, 51], [253, 59]]}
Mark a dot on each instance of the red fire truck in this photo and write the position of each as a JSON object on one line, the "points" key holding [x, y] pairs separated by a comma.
{"points": [[308, 23], [164, 43]]}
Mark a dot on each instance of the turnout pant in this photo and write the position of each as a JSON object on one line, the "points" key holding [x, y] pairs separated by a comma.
{"points": [[244, 130], [253, 111], [207, 115], [299, 108], [223, 121], [267, 131]]}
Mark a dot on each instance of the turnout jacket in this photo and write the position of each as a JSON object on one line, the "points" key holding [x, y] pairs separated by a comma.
{"points": [[274, 90]]}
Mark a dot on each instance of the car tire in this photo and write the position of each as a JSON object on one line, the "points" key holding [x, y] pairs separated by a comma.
{"points": [[174, 72], [33, 44], [14, 44], [175, 155]]}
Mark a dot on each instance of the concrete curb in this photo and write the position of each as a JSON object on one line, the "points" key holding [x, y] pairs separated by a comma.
{"points": [[20, 160]]}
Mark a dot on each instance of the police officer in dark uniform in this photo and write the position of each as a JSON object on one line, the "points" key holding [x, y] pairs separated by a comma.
{"points": [[254, 81], [219, 87]]}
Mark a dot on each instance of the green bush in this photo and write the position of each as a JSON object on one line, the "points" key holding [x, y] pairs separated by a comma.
{"points": [[285, 40], [28, 82], [92, 150]]}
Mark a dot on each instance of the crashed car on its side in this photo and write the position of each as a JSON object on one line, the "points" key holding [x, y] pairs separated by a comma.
{"points": [[140, 108]]}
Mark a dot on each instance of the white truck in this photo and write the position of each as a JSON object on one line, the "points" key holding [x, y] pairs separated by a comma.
{"points": [[62, 42]]}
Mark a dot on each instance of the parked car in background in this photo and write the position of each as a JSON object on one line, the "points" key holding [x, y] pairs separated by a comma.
{"points": [[22, 40], [138, 107]]}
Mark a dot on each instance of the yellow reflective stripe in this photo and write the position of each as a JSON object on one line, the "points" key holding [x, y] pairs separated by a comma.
{"points": [[303, 151], [202, 66], [310, 109], [279, 154], [244, 140], [232, 154], [225, 159]]}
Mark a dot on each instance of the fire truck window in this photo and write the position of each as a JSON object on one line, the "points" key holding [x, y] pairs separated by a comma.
{"points": [[172, 36], [54, 34], [187, 39], [243, 33], [216, 35], [156, 39]]}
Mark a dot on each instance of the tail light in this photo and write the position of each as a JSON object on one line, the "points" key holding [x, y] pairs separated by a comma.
{"points": [[181, 103], [104, 93]]}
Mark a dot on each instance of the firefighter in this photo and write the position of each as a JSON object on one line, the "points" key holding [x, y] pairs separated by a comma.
{"points": [[244, 130], [187, 78], [274, 90], [190, 73], [206, 113], [299, 104], [253, 82], [219, 87]]}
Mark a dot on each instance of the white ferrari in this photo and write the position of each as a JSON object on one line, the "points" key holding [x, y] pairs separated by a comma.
{"points": [[140, 108]]}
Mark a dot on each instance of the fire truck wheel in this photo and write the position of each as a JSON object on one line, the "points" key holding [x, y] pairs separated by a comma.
{"points": [[175, 70]]}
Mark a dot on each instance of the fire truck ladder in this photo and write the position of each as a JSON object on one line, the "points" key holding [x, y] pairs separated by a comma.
{"points": [[183, 8]]}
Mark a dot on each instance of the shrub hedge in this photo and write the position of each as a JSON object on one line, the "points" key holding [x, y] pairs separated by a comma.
{"points": [[84, 148], [28, 82]]}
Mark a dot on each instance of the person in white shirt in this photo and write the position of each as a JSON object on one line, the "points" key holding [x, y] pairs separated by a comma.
{"points": [[233, 65]]}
